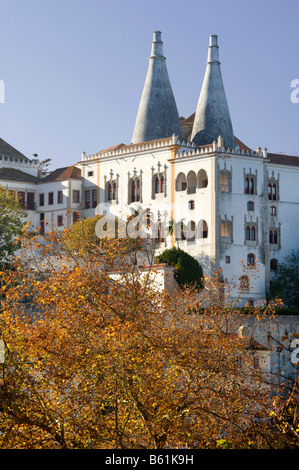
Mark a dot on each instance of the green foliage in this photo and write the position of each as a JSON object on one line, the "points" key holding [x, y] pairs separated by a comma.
{"points": [[286, 282], [188, 271], [11, 224]]}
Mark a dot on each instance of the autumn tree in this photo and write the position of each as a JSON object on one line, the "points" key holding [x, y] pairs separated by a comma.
{"points": [[106, 359], [12, 218]]}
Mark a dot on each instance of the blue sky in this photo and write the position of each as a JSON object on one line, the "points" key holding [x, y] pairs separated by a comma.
{"points": [[74, 69]]}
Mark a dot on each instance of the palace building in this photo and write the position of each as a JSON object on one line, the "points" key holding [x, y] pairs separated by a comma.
{"points": [[234, 208]]}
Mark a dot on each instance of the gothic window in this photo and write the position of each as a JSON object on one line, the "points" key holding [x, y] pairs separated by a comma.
{"points": [[87, 199], [250, 233], [94, 198], [225, 229], [159, 184], [250, 183], [111, 192], [250, 259], [273, 237], [273, 188], [135, 190], [224, 181]]}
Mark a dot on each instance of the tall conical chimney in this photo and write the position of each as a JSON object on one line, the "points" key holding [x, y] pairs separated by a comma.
{"points": [[212, 117], [157, 115]]}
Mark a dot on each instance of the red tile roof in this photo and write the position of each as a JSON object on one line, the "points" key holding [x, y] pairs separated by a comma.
{"points": [[70, 172]]}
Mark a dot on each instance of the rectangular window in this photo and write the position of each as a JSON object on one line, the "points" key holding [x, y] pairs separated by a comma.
{"points": [[41, 199], [227, 259], [59, 220], [21, 198], [50, 198], [59, 197], [94, 198], [250, 205], [191, 205], [30, 201], [273, 210], [90, 173], [87, 199], [76, 196]]}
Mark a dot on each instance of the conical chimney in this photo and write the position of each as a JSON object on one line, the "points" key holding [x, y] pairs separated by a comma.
{"points": [[212, 117], [157, 115]]}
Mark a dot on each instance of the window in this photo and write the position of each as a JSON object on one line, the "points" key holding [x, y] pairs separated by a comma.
{"points": [[159, 184], [181, 182], [30, 201], [191, 205], [202, 229], [94, 198], [225, 229], [50, 198], [272, 191], [273, 237], [21, 198], [244, 283], [60, 220], [273, 264], [59, 197], [87, 199], [41, 199], [202, 179], [135, 190], [249, 185], [75, 217], [273, 210], [42, 223], [90, 173], [191, 229], [227, 259], [250, 205], [250, 233], [250, 259], [191, 182], [224, 182], [76, 196]]}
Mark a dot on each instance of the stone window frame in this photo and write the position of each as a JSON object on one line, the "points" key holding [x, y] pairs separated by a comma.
{"points": [[228, 174], [113, 180], [136, 178], [271, 182], [249, 177], [226, 222], [158, 174], [275, 245], [251, 225]]}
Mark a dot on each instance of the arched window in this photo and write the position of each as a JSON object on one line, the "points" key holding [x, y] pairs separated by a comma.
{"points": [[274, 192], [244, 283], [246, 185], [250, 259], [202, 178], [225, 229], [252, 233], [247, 233], [271, 237], [159, 184], [191, 182], [251, 186], [270, 191], [109, 192], [181, 182], [275, 237], [114, 191], [203, 229], [273, 264]]}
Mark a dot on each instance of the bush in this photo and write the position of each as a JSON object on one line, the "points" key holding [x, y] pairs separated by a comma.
{"points": [[187, 271]]}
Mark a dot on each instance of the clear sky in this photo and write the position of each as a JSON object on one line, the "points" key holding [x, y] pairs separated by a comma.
{"points": [[74, 70]]}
